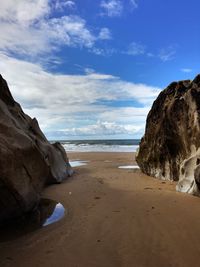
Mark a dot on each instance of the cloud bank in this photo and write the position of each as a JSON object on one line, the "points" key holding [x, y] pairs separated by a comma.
{"points": [[66, 102], [29, 27], [88, 105]]}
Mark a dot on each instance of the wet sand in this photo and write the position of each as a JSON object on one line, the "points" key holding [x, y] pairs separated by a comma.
{"points": [[115, 217]]}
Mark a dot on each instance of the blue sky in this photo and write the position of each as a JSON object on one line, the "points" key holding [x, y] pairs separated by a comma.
{"points": [[92, 69]]}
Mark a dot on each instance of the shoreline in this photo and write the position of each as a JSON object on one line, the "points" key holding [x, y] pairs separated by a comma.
{"points": [[115, 218]]}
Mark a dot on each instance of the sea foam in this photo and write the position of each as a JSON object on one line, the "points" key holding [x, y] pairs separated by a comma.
{"points": [[101, 146]]}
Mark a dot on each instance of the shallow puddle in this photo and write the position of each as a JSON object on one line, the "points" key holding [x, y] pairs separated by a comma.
{"points": [[47, 212], [77, 163], [57, 214], [129, 167]]}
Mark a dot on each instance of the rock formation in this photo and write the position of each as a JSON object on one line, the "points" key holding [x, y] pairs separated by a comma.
{"points": [[170, 148], [28, 161]]}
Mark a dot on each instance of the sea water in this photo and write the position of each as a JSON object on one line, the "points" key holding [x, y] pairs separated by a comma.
{"points": [[128, 145]]}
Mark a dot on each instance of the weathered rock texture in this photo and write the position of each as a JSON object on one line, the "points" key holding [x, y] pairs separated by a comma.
{"points": [[28, 161], [170, 148]]}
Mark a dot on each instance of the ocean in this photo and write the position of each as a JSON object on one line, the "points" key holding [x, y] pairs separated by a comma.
{"points": [[128, 145]]}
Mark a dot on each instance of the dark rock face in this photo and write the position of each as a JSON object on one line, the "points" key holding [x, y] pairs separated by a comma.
{"points": [[28, 161], [170, 148]]}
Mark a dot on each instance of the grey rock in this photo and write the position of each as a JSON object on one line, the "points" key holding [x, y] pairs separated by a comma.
{"points": [[28, 161], [170, 148]]}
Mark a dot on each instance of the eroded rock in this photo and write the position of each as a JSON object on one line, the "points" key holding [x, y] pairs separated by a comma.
{"points": [[170, 147], [27, 160]]}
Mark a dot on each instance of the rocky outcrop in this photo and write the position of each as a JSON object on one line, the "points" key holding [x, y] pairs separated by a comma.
{"points": [[170, 148], [28, 161]]}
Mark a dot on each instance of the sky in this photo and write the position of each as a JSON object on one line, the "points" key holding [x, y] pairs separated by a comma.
{"points": [[91, 69]]}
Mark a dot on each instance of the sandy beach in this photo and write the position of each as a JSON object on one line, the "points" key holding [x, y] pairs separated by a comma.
{"points": [[114, 217]]}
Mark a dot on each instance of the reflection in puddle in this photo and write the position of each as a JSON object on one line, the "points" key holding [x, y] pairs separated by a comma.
{"points": [[58, 214], [77, 163], [129, 167], [47, 212]]}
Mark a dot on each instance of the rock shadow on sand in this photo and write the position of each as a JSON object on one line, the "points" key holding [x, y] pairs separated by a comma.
{"points": [[47, 212]]}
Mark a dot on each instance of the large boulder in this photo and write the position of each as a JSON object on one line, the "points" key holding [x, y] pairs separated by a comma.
{"points": [[28, 161], [170, 148]]}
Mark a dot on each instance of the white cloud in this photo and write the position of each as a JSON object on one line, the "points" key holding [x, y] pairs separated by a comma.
{"points": [[105, 34], [98, 51], [106, 52], [167, 54], [186, 70], [112, 8], [89, 70], [28, 28], [115, 8], [66, 30], [23, 11], [63, 4], [68, 101], [103, 128], [135, 49], [134, 3]]}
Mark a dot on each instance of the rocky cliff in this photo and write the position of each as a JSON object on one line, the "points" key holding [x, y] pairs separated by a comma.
{"points": [[170, 148], [28, 161]]}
